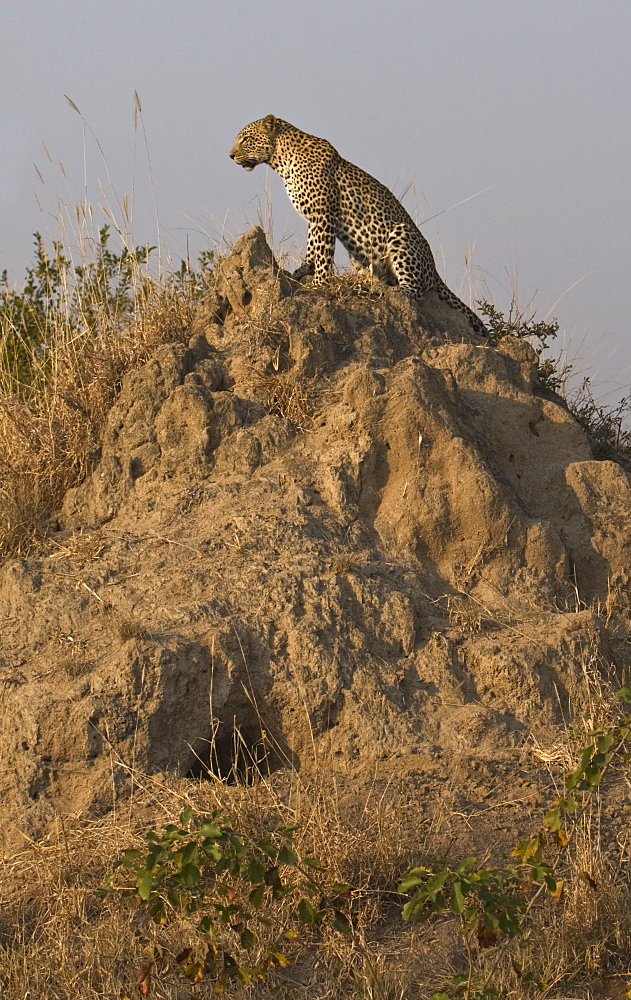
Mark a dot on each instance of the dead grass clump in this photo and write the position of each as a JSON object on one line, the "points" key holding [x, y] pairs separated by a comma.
{"points": [[352, 283], [126, 626], [56, 937], [468, 615], [597, 912], [342, 563], [580, 940], [129, 628], [289, 395]]}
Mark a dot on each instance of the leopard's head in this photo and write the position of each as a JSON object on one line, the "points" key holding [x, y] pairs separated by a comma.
{"points": [[255, 143]]}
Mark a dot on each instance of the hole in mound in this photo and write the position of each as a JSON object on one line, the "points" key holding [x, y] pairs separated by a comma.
{"points": [[238, 756], [136, 468]]}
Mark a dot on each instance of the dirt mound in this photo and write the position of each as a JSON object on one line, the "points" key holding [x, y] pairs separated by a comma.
{"points": [[337, 523]]}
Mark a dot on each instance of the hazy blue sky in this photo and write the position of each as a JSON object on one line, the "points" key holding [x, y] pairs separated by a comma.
{"points": [[440, 99]]}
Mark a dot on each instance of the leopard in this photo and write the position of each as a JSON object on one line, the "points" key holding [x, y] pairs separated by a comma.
{"points": [[341, 201]]}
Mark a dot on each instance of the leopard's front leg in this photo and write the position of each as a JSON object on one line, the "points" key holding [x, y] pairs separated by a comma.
{"points": [[320, 251]]}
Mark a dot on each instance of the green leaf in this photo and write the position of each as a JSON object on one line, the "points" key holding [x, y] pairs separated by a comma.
{"points": [[190, 874], [189, 852], [128, 858], [410, 910], [256, 871], [457, 899], [306, 912], [465, 864], [527, 849], [277, 958], [568, 804], [551, 884], [408, 883], [144, 886], [552, 820], [237, 844], [156, 856], [415, 908], [267, 848], [211, 849], [625, 694], [172, 832], [341, 922], [245, 976], [436, 883], [313, 863], [605, 742], [159, 915], [210, 830], [280, 891], [256, 896], [186, 816], [508, 924], [286, 856], [176, 898], [339, 889], [248, 939]]}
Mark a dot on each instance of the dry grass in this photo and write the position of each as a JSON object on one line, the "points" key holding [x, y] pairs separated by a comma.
{"points": [[50, 427], [58, 939], [467, 615], [349, 284], [343, 562], [291, 396]]}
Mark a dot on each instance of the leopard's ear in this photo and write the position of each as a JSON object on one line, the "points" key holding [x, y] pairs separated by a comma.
{"points": [[270, 123]]}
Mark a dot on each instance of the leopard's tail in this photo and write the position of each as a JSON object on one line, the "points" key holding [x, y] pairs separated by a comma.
{"points": [[445, 293]]}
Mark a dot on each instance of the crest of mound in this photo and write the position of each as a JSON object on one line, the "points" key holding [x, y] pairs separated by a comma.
{"points": [[335, 522]]}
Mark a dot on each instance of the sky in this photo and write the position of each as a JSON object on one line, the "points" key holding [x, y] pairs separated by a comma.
{"points": [[503, 125]]}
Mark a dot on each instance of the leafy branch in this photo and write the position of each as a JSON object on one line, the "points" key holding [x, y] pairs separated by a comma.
{"points": [[233, 887], [493, 904]]}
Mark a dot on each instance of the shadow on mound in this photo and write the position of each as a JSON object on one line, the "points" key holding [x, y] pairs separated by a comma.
{"points": [[241, 755]]}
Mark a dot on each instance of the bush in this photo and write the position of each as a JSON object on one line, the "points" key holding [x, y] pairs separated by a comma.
{"points": [[247, 897], [66, 339], [603, 424]]}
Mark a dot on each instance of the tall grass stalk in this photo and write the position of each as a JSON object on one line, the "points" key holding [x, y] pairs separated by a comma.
{"points": [[67, 336]]}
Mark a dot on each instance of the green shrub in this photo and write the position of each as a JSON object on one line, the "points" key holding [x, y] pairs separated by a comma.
{"points": [[605, 425], [248, 897], [59, 300]]}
